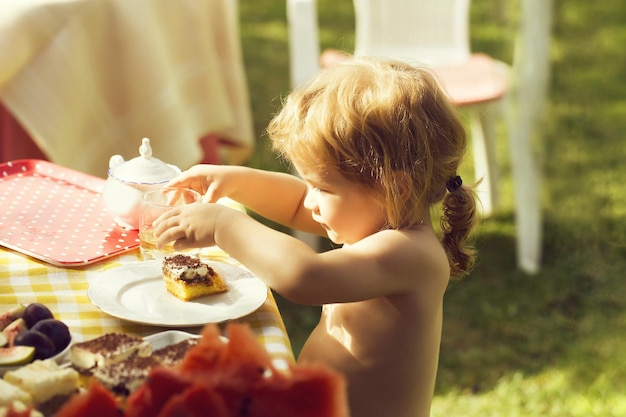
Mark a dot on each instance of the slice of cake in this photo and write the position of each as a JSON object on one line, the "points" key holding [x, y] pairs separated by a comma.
{"points": [[173, 354], [125, 377], [44, 379], [107, 349], [189, 278]]}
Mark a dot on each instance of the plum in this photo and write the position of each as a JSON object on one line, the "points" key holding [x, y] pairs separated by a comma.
{"points": [[44, 347], [56, 330], [35, 312]]}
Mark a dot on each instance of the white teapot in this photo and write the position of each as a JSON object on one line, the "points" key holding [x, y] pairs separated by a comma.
{"points": [[128, 180]]}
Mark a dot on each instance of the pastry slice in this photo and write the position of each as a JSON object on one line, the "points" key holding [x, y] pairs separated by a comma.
{"points": [[124, 377], [107, 349], [188, 278]]}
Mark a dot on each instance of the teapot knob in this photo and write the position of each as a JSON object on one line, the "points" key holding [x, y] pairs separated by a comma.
{"points": [[145, 150], [115, 161]]}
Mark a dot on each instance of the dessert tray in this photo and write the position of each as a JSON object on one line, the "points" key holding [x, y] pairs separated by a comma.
{"points": [[57, 215], [136, 292]]}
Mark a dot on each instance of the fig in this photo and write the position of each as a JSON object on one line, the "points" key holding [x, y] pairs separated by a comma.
{"points": [[16, 327], [3, 340], [44, 348], [16, 355], [56, 330], [35, 312], [9, 316]]}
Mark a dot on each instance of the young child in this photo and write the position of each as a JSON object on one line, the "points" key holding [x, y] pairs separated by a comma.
{"points": [[377, 145]]}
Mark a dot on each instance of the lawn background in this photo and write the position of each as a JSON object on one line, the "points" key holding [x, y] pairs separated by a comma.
{"points": [[550, 344]]}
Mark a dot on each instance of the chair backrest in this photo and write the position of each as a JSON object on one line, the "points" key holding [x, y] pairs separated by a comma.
{"points": [[431, 32]]}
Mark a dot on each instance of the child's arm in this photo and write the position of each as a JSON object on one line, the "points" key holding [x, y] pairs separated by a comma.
{"points": [[386, 263], [273, 195]]}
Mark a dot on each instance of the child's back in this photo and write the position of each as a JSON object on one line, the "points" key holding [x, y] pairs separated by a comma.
{"points": [[388, 347]]}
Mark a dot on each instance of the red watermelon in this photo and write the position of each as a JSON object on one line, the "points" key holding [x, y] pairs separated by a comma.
{"points": [[96, 402], [196, 401], [239, 361], [156, 392], [11, 412]]}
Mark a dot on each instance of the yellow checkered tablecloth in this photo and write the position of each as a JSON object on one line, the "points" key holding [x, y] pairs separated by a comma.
{"points": [[64, 290]]}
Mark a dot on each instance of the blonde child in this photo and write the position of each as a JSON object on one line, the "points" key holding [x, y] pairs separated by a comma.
{"points": [[377, 145]]}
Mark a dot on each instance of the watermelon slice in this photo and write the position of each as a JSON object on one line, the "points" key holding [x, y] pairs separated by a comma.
{"points": [[96, 402], [197, 401]]}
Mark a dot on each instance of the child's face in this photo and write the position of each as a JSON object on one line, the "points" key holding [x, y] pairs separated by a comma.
{"points": [[342, 208]]}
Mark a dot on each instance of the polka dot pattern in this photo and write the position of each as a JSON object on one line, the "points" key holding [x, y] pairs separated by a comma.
{"points": [[57, 215]]}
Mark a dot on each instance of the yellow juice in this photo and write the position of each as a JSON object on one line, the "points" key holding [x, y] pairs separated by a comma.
{"points": [[147, 245]]}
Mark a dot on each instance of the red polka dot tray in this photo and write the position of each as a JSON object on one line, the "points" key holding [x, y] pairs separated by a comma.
{"points": [[57, 215]]}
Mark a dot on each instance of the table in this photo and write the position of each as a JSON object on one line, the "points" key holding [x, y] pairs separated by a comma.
{"points": [[64, 290], [88, 79]]}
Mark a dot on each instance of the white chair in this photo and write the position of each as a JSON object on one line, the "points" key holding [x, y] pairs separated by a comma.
{"points": [[434, 33]]}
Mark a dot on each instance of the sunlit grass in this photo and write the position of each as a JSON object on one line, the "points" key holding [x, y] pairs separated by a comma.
{"points": [[548, 394]]}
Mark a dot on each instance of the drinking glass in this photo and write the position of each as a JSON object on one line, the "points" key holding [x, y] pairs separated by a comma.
{"points": [[153, 204]]}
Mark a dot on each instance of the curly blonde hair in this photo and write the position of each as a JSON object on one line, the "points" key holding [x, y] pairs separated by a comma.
{"points": [[388, 127]]}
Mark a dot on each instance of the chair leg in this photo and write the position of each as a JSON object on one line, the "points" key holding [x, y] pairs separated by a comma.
{"points": [[531, 70], [526, 175], [528, 219], [485, 164]]}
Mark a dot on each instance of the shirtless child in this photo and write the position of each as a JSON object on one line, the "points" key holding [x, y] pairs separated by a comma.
{"points": [[377, 145]]}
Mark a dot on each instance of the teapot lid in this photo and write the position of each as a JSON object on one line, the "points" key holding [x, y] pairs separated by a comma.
{"points": [[143, 169]]}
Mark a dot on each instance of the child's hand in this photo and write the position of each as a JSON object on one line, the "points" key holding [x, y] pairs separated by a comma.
{"points": [[188, 226], [213, 181]]}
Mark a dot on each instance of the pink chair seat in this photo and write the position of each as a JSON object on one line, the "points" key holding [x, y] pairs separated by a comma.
{"points": [[480, 79]]}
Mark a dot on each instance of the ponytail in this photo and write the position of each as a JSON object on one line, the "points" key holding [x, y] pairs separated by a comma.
{"points": [[458, 220]]}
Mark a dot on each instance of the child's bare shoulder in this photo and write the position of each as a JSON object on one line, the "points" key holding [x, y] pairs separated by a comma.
{"points": [[415, 253], [418, 244]]}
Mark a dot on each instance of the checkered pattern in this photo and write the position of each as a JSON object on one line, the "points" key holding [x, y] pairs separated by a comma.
{"points": [[64, 290]]}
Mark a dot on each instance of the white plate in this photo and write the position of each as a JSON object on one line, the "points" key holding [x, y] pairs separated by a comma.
{"points": [[136, 292]]}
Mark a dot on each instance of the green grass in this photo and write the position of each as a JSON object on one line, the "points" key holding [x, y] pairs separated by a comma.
{"points": [[550, 344]]}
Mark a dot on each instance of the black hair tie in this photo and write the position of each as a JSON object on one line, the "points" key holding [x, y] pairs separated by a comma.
{"points": [[454, 183]]}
